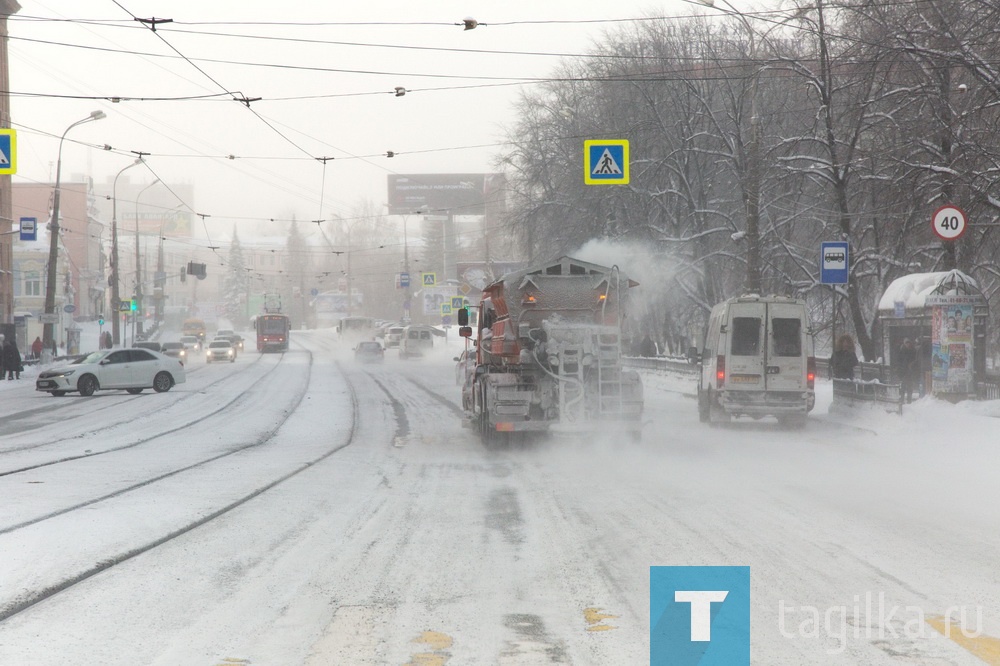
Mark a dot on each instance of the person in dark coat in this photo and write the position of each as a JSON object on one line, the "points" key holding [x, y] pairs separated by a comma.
{"points": [[908, 368], [844, 360], [11, 360], [2, 365], [647, 347]]}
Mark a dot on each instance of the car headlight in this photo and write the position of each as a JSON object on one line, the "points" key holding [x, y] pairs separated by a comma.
{"points": [[67, 373]]}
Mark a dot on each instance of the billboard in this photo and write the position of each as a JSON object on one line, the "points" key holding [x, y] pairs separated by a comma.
{"points": [[456, 193]]}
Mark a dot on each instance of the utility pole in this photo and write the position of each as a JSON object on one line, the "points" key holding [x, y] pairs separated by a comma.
{"points": [[7, 8], [159, 284]]}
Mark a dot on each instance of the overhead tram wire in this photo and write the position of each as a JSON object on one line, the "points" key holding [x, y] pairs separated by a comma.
{"points": [[775, 17], [239, 97], [734, 62], [121, 23]]}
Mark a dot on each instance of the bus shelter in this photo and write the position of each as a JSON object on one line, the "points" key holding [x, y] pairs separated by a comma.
{"points": [[946, 315]]}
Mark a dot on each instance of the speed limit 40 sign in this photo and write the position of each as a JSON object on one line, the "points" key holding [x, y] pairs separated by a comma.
{"points": [[949, 222]]}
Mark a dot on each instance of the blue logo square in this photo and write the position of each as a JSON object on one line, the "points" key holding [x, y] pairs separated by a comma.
{"points": [[699, 616]]}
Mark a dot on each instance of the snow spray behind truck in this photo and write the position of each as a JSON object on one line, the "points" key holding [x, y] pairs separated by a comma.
{"points": [[548, 354]]}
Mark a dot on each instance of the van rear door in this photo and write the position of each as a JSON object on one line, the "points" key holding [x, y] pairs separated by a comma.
{"points": [[786, 353], [745, 338]]}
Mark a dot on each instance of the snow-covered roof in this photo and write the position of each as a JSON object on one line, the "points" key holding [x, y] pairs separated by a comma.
{"points": [[913, 290]]}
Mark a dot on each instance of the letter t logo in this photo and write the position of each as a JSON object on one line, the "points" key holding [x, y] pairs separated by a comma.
{"points": [[701, 610]]}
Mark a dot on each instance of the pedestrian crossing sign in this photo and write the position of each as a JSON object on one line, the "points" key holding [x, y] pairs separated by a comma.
{"points": [[605, 162], [8, 151], [428, 279]]}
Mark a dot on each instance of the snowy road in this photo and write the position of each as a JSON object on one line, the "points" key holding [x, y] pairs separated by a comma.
{"points": [[303, 509]]}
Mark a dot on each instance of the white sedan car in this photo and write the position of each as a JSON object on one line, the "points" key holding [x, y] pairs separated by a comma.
{"points": [[220, 350], [110, 369]]}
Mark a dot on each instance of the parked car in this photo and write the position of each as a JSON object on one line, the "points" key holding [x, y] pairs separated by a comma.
{"points": [[147, 344], [192, 342], [175, 350], [369, 352], [220, 350], [110, 369]]}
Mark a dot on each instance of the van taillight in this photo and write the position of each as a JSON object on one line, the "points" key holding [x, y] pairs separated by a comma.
{"points": [[811, 372], [720, 370]]}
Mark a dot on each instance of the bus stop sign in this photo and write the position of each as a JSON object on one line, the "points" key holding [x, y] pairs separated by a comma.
{"points": [[833, 262]]}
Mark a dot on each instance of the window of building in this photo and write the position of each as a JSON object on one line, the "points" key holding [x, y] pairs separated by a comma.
{"points": [[33, 283]]}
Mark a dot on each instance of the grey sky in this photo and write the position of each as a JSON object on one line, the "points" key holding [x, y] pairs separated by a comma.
{"points": [[350, 116]]}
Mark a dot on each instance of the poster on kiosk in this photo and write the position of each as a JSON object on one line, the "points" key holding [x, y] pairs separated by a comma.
{"points": [[951, 344]]}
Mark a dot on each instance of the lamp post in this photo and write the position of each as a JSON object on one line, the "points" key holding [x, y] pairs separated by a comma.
{"points": [[116, 327], [50, 283], [406, 269], [349, 308], [138, 272]]}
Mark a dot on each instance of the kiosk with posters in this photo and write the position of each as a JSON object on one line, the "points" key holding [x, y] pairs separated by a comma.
{"points": [[946, 315]]}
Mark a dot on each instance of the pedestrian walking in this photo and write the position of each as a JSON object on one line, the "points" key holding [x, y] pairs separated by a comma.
{"points": [[844, 359], [12, 360], [36, 348], [907, 367]]}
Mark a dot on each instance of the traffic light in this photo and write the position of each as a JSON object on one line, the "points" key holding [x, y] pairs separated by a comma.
{"points": [[133, 306], [197, 270], [100, 322]]}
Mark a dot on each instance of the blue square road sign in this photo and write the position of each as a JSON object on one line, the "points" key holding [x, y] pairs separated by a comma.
{"points": [[605, 162], [834, 260]]}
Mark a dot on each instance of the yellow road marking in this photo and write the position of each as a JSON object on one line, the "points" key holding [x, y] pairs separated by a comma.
{"points": [[985, 647], [435, 640], [594, 616]]}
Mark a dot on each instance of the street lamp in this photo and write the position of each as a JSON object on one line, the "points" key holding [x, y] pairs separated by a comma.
{"points": [[50, 284], [138, 273], [115, 294]]}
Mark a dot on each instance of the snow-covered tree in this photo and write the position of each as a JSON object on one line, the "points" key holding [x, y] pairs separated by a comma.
{"points": [[235, 284]]}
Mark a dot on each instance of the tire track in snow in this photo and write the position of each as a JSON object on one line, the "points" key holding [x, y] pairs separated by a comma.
{"points": [[27, 600], [113, 405]]}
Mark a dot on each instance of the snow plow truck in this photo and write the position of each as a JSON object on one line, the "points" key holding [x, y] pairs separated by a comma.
{"points": [[549, 354]]}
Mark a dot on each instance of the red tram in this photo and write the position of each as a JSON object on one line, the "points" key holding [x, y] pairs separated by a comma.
{"points": [[272, 332]]}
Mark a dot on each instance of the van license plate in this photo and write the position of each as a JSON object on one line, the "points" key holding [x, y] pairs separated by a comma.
{"points": [[745, 379], [773, 369]]}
